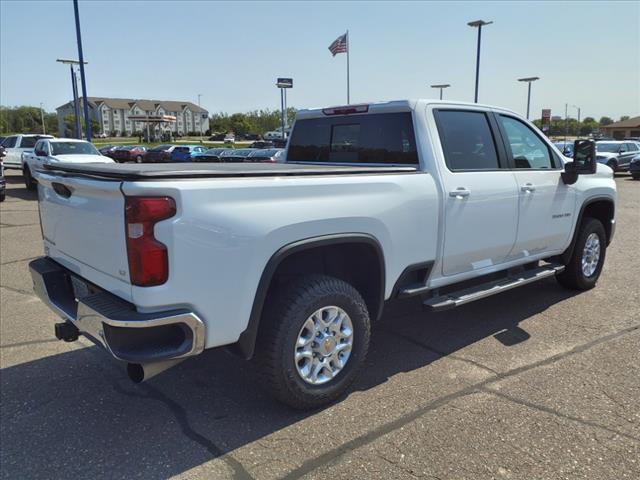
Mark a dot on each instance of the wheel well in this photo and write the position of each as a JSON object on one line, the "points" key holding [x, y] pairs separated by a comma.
{"points": [[602, 210], [354, 258], [358, 264]]}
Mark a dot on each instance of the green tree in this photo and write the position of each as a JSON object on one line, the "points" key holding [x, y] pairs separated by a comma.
{"points": [[604, 121], [623, 118]]}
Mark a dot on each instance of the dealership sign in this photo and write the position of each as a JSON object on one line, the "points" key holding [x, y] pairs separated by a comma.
{"points": [[546, 120], [284, 83]]}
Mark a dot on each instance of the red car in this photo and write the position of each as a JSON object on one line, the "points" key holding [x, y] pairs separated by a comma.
{"points": [[128, 153]]}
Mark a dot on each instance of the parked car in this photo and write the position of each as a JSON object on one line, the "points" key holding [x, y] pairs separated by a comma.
{"points": [[48, 151], [128, 153], [16, 145], [159, 154], [634, 167], [618, 154], [262, 144], [217, 137], [107, 149], [182, 153], [102, 135], [3, 182], [266, 155], [279, 142], [565, 147], [235, 156], [230, 138], [292, 264], [211, 155]]}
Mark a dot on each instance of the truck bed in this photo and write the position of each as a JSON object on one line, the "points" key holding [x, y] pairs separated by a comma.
{"points": [[155, 171]]}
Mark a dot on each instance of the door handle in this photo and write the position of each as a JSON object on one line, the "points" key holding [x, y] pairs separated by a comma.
{"points": [[528, 188], [460, 193]]}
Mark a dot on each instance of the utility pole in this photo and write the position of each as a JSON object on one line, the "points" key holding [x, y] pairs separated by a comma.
{"points": [[479, 24], [44, 130], [578, 108], [85, 103]]}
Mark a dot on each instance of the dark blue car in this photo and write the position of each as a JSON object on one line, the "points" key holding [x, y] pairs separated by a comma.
{"points": [[183, 153]]}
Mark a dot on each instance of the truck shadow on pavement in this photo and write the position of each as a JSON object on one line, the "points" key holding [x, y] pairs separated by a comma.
{"points": [[76, 414]]}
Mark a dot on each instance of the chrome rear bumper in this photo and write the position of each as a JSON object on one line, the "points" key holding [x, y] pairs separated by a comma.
{"points": [[114, 323]]}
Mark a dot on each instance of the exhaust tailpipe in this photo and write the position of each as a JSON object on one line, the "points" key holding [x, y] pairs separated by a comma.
{"points": [[141, 372]]}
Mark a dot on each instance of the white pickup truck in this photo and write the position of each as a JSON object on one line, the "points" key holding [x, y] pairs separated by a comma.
{"points": [[16, 145], [288, 264]]}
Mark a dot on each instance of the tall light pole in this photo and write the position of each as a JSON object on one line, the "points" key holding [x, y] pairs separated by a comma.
{"points": [[479, 24], [529, 80], [200, 113], [74, 88], [283, 84], [441, 87], [44, 131], [85, 103], [578, 108]]}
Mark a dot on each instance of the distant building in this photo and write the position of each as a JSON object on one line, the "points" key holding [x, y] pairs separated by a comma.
{"points": [[112, 114], [626, 128]]}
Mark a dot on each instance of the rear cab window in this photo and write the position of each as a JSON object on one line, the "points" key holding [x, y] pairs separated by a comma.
{"points": [[374, 138], [28, 142], [467, 140]]}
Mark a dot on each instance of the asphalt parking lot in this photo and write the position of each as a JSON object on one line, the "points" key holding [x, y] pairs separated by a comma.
{"points": [[540, 382]]}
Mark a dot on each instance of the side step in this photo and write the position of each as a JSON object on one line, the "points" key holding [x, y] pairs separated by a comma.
{"points": [[467, 295]]}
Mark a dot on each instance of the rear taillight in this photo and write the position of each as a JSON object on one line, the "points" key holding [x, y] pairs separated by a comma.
{"points": [[148, 259], [346, 110]]}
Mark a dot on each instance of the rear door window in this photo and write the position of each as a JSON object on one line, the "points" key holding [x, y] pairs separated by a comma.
{"points": [[467, 140], [381, 138], [28, 142]]}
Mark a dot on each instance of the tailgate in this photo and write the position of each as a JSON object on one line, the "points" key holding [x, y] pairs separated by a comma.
{"points": [[83, 228]]}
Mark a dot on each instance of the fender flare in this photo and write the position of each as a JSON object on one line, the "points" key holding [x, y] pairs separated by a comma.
{"points": [[245, 345], [566, 255]]}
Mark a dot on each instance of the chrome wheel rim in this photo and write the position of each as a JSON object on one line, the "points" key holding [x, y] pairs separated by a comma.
{"points": [[591, 255], [323, 345]]}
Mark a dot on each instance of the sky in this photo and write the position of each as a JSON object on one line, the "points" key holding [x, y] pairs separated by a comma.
{"points": [[586, 54]]}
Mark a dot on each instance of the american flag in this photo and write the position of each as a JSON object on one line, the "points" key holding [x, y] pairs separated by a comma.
{"points": [[339, 45]]}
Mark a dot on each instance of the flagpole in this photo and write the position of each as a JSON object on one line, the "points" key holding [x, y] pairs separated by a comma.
{"points": [[348, 97]]}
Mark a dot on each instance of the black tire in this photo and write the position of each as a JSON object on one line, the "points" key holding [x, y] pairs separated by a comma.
{"points": [[613, 165], [138, 159], [635, 176], [29, 182], [2, 196], [283, 319], [573, 277]]}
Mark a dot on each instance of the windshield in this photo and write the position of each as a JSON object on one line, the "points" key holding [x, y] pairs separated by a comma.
{"points": [[607, 147], [73, 148]]}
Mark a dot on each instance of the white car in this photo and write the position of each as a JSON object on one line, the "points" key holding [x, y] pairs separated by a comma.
{"points": [[292, 263], [16, 145], [54, 150], [229, 138]]}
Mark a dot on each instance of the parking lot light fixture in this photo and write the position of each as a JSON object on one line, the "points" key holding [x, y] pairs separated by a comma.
{"points": [[441, 87], [479, 24], [200, 113], [529, 80]]}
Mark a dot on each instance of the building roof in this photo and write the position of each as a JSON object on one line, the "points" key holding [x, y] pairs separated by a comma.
{"points": [[633, 122], [147, 105]]}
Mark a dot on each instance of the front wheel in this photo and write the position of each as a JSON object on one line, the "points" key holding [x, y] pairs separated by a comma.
{"points": [[613, 165], [313, 341], [583, 269], [138, 159], [29, 182]]}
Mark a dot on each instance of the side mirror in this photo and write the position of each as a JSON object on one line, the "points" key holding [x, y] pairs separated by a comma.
{"points": [[584, 156]]}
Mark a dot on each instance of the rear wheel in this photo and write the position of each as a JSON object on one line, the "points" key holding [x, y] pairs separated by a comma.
{"points": [[313, 341], [29, 182], [583, 269], [139, 159], [613, 165], [635, 176]]}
